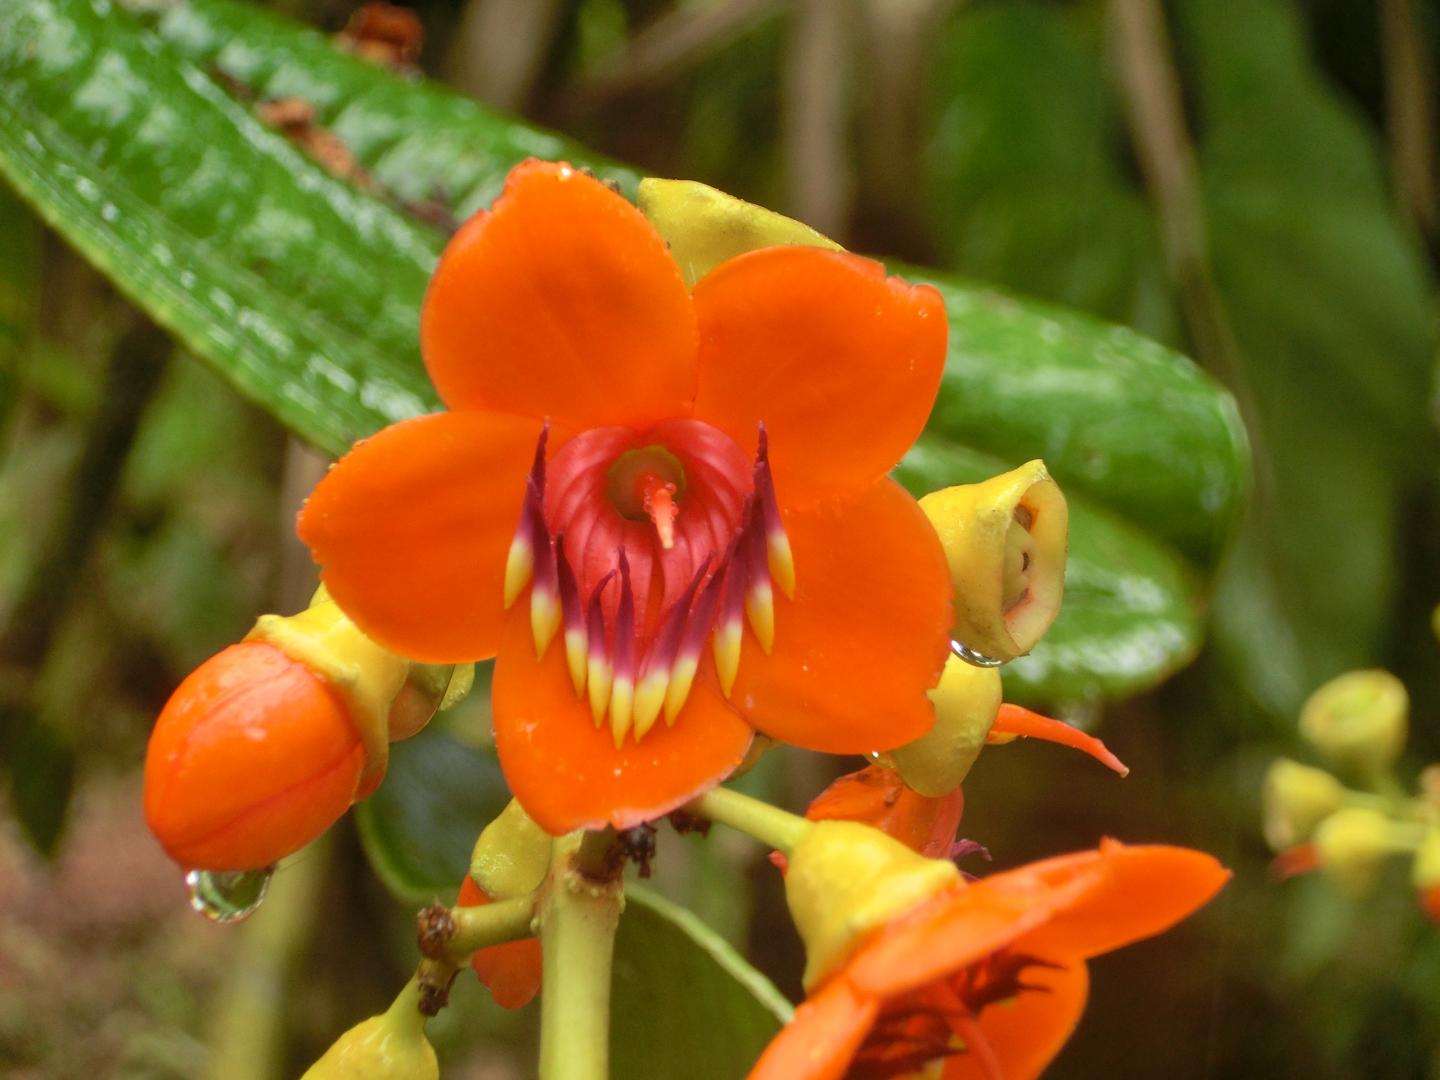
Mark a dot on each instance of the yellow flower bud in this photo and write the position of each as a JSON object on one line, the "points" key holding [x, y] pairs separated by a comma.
{"points": [[1358, 720], [391, 1046], [1297, 798], [1352, 844], [1005, 541], [511, 856], [704, 227], [966, 701], [1426, 869], [845, 880]]}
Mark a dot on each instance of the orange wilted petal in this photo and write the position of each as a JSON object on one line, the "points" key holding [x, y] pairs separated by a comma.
{"points": [[252, 758], [560, 302], [511, 971], [1013, 720], [568, 774], [1131, 893], [878, 796], [1027, 1032], [840, 363], [866, 634], [819, 1043], [412, 528]]}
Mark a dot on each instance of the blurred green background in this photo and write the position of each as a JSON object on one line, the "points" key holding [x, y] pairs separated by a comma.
{"points": [[1254, 184]]}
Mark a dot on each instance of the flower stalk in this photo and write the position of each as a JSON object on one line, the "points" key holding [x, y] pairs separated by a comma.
{"points": [[578, 916], [770, 825]]}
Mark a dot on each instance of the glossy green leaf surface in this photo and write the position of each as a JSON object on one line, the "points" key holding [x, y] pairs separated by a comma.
{"points": [[684, 1002], [419, 827], [311, 303]]}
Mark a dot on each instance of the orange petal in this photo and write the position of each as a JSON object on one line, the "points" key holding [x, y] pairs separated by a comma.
{"points": [[563, 302], [1027, 1032], [822, 1039], [567, 773], [1135, 892], [943, 935], [866, 634], [840, 362], [878, 796], [510, 971], [411, 529]]}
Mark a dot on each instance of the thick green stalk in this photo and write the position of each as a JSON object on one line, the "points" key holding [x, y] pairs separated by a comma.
{"points": [[578, 917]]}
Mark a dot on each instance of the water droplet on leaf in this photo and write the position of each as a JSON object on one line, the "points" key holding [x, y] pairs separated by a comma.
{"points": [[227, 896]]}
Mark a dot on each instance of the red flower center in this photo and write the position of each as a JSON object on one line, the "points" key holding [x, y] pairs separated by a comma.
{"points": [[643, 544], [939, 1020]]}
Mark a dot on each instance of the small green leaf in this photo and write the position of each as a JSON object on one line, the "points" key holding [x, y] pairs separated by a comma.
{"points": [[419, 827], [684, 1003], [1131, 615]]}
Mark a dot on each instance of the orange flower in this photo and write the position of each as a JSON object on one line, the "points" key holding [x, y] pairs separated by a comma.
{"points": [[685, 468], [511, 970], [988, 978]]}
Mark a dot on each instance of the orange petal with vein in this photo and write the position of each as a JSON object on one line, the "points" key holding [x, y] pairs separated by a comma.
{"points": [[1027, 1032], [568, 774], [866, 634], [411, 529], [822, 1039], [1013, 720], [841, 363], [563, 302]]}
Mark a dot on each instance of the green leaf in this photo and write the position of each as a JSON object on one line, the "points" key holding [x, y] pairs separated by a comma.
{"points": [[684, 1003], [334, 353], [1131, 615], [1332, 310], [1023, 183], [1116, 416], [419, 827]]}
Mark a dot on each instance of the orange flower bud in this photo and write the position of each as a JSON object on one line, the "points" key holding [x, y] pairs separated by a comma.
{"points": [[252, 758], [511, 971]]}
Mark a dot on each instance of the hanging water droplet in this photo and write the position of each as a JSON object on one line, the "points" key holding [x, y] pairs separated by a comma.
{"points": [[970, 656], [881, 758], [227, 896]]}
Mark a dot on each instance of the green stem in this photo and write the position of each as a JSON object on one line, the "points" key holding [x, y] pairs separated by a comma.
{"points": [[780, 829], [489, 924], [578, 917]]}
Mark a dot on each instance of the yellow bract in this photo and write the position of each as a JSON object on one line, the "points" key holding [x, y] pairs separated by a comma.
{"points": [[704, 227], [845, 880], [1005, 540], [966, 702], [391, 1046]]}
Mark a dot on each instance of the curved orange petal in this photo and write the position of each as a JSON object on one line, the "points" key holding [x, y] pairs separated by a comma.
{"points": [[563, 302], [841, 363], [955, 928], [1027, 1032], [412, 526], [819, 1043], [511, 971], [567, 773], [1135, 892], [866, 634], [878, 796]]}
